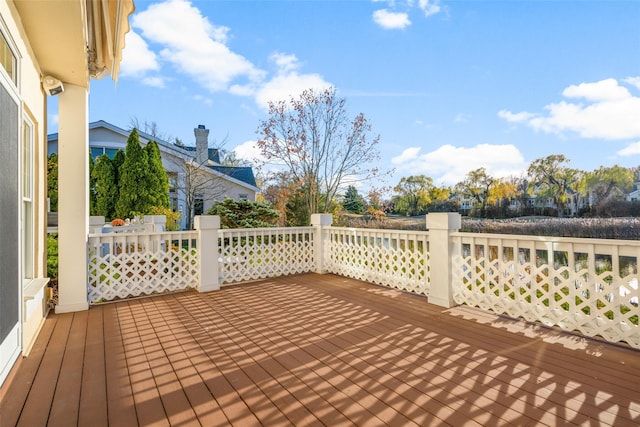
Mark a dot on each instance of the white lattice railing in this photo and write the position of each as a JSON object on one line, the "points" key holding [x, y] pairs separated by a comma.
{"points": [[256, 253], [125, 265], [394, 258], [585, 285]]}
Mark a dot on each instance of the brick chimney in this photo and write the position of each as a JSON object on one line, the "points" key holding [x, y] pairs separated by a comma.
{"points": [[202, 144]]}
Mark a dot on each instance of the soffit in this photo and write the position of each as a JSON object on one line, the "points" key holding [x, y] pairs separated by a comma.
{"points": [[57, 32], [62, 32]]}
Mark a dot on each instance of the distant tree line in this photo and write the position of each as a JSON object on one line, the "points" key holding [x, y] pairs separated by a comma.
{"points": [[549, 187]]}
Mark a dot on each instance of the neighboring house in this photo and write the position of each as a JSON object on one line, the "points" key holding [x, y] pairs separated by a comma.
{"points": [[634, 196], [47, 48], [216, 181]]}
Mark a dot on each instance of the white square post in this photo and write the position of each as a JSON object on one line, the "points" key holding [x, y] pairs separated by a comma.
{"points": [[319, 221], [440, 226], [73, 198], [207, 227]]}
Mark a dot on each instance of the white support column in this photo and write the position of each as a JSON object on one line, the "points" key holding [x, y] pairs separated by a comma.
{"points": [[319, 221], [207, 227], [73, 198], [440, 225]]}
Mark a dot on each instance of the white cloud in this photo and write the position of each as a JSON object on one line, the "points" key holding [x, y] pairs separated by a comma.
{"points": [[604, 90], [137, 58], [391, 20], [632, 149], [193, 45], [633, 81], [515, 117], [407, 155], [248, 150], [282, 87], [430, 7], [196, 48], [286, 83], [449, 164], [155, 81], [610, 112], [286, 63]]}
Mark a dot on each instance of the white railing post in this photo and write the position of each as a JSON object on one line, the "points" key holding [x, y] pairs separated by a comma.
{"points": [[155, 223], [207, 227], [318, 221], [96, 223], [440, 226]]}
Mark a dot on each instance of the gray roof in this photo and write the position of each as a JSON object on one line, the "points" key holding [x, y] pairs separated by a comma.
{"points": [[214, 153], [241, 173]]}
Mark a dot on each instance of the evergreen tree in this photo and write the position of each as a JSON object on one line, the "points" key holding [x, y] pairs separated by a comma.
{"points": [[117, 162], [134, 197], [52, 182], [106, 187], [158, 180], [244, 214], [92, 188], [353, 202]]}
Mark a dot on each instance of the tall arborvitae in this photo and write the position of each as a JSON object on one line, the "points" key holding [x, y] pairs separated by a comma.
{"points": [[158, 180], [106, 187], [52, 182], [92, 188], [117, 162], [134, 198]]}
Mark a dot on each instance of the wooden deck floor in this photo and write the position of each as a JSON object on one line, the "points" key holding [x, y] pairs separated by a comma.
{"points": [[313, 350]]}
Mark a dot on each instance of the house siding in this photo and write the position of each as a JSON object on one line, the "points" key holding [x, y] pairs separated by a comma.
{"points": [[21, 315]]}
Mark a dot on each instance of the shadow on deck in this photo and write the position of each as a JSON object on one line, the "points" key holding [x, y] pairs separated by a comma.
{"points": [[313, 350]]}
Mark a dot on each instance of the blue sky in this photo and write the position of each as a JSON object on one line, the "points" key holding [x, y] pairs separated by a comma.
{"points": [[450, 86]]}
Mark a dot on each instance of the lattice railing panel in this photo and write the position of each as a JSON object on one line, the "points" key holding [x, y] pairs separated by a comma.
{"points": [[248, 254], [584, 285], [129, 265], [393, 258]]}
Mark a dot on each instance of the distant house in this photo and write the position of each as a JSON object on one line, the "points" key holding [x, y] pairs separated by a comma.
{"points": [[634, 196], [187, 194]]}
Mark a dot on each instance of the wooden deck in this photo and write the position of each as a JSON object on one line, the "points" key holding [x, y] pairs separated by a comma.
{"points": [[313, 350]]}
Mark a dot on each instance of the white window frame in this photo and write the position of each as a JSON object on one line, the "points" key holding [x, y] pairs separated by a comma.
{"points": [[27, 207]]}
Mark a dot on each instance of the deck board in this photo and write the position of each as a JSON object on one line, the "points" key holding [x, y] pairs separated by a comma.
{"points": [[314, 350], [93, 406]]}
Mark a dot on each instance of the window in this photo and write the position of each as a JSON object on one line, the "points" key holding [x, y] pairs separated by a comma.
{"points": [[243, 197], [173, 182], [198, 206], [96, 152], [27, 200], [99, 151], [7, 58], [173, 201]]}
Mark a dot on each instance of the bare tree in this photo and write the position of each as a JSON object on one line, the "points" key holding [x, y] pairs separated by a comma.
{"points": [[320, 146], [197, 183], [150, 128]]}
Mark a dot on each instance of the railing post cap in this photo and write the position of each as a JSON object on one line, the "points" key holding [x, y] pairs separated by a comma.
{"points": [[155, 219], [321, 219], [96, 220], [444, 221], [207, 222]]}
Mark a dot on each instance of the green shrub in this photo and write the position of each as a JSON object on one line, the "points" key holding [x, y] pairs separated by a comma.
{"points": [[52, 255]]}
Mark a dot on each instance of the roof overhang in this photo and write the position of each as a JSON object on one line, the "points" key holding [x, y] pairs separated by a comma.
{"points": [[75, 40]]}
